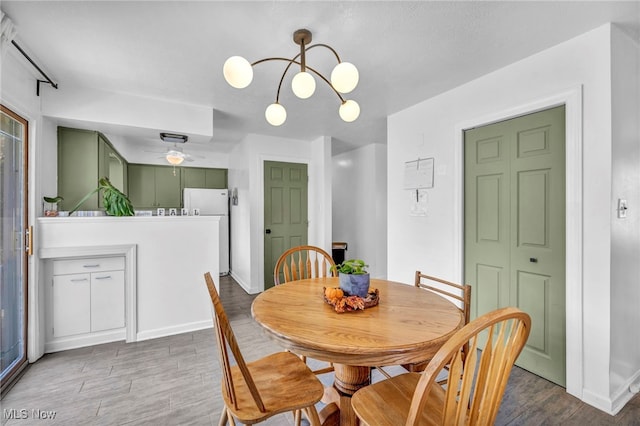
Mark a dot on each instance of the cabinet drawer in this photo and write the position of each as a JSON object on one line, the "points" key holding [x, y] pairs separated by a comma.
{"points": [[87, 265]]}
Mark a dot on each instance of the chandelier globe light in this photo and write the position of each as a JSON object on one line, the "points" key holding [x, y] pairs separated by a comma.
{"points": [[238, 72], [349, 111], [303, 85], [344, 77], [275, 114]]}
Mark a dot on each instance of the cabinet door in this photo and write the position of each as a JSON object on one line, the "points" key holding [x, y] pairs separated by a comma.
{"points": [[71, 308], [113, 166], [193, 177], [167, 187], [216, 178], [142, 186], [107, 300], [77, 167], [198, 177]]}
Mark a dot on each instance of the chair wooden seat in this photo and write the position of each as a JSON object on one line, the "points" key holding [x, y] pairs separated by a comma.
{"points": [[260, 389], [284, 383], [472, 393]]}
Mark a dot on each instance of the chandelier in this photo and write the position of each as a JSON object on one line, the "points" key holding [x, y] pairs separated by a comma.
{"points": [[238, 72]]}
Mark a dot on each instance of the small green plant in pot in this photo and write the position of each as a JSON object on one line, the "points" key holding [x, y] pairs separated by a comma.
{"points": [[52, 205], [115, 202], [354, 278]]}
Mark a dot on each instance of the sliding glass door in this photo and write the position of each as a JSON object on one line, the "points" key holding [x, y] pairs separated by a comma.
{"points": [[13, 256]]}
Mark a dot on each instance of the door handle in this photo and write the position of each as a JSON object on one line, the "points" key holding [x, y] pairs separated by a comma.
{"points": [[268, 231], [533, 259]]}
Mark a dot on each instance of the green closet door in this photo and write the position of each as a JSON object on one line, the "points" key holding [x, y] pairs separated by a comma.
{"points": [[515, 229]]}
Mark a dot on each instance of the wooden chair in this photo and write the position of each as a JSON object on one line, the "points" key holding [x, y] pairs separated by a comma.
{"points": [[472, 398], [451, 290], [299, 263], [260, 389]]}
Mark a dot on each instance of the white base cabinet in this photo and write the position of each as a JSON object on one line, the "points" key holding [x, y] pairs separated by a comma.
{"points": [[87, 303]]}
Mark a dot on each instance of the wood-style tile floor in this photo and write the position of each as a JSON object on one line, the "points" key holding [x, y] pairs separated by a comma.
{"points": [[176, 381]]}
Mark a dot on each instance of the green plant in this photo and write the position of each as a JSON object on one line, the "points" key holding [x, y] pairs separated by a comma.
{"points": [[351, 266], [52, 200], [115, 202]]}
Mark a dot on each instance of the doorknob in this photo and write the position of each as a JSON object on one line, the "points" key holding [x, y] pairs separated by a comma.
{"points": [[533, 259], [268, 231]]}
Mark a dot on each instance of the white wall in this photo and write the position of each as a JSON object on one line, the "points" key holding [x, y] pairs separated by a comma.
{"points": [[100, 106], [625, 233], [433, 243], [246, 172], [359, 205]]}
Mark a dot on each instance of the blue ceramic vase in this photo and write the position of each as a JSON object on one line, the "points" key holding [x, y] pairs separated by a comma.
{"points": [[354, 285]]}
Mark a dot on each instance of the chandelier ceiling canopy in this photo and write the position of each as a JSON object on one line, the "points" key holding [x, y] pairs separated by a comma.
{"points": [[238, 72]]}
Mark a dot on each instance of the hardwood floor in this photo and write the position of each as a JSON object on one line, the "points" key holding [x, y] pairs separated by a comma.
{"points": [[176, 381]]}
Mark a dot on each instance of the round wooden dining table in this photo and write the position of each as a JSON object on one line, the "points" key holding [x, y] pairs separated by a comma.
{"points": [[408, 325]]}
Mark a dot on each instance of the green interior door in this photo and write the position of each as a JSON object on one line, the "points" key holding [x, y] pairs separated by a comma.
{"points": [[515, 229], [285, 212]]}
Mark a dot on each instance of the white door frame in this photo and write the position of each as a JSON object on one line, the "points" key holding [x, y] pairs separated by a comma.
{"points": [[572, 99]]}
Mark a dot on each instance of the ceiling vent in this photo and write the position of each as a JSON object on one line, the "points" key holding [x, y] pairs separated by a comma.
{"points": [[173, 137]]}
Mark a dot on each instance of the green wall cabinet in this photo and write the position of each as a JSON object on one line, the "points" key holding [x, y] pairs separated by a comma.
{"points": [[198, 177], [151, 187], [84, 156]]}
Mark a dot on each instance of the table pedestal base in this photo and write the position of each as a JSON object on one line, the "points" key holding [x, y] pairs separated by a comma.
{"points": [[347, 381]]}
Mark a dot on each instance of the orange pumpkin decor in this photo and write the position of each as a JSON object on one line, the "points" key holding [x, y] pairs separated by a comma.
{"points": [[341, 302], [333, 294]]}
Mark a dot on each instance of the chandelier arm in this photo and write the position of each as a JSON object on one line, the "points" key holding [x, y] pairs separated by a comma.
{"points": [[328, 82], [328, 47], [293, 61]]}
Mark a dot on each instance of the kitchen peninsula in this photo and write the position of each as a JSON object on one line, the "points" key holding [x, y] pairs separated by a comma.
{"points": [[161, 261]]}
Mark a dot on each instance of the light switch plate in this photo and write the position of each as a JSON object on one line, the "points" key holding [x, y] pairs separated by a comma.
{"points": [[622, 208]]}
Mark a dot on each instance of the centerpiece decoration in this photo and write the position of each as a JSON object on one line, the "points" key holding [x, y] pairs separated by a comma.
{"points": [[354, 292]]}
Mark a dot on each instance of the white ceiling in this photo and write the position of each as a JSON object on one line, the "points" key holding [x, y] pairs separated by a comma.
{"points": [[405, 51]]}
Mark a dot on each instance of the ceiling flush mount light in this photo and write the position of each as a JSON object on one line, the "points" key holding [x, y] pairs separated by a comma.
{"points": [[344, 78], [174, 157]]}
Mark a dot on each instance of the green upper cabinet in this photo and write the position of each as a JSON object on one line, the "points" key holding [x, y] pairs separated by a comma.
{"points": [[151, 186], [114, 166], [84, 156], [197, 177]]}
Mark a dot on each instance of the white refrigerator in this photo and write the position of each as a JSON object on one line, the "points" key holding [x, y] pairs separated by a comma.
{"points": [[212, 202]]}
